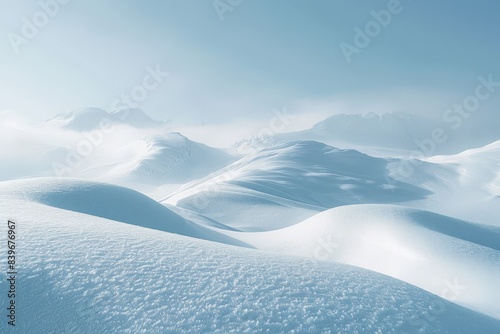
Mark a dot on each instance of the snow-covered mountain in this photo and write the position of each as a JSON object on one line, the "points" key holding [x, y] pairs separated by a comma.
{"points": [[161, 159], [144, 154], [389, 131], [395, 134], [86, 119]]}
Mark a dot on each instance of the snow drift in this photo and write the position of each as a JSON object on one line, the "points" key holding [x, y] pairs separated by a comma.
{"points": [[106, 201], [283, 185], [428, 250]]}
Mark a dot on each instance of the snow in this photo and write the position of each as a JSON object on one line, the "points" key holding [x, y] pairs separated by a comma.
{"points": [[287, 183], [151, 232], [419, 247], [465, 185], [161, 159], [396, 130], [81, 273], [391, 132], [81, 119], [107, 201], [141, 156], [479, 167]]}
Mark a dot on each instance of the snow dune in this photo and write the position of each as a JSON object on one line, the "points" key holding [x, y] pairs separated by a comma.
{"points": [[456, 259], [285, 184], [465, 185], [479, 167], [84, 273], [107, 201]]}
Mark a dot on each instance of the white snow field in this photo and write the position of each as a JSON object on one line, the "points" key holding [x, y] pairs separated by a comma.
{"points": [[81, 273]]}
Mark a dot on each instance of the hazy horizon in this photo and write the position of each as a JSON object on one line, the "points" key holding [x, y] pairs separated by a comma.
{"points": [[216, 66]]}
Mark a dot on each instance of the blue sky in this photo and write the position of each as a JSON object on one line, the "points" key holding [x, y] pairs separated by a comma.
{"points": [[263, 55]]}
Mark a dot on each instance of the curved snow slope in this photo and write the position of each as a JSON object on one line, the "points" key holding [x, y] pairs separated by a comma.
{"points": [[285, 184], [446, 256], [165, 158], [478, 167], [465, 185], [107, 201], [84, 274]]}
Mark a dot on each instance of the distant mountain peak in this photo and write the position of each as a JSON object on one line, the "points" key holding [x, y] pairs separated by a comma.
{"points": [[86, 119], [79, 113]]}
